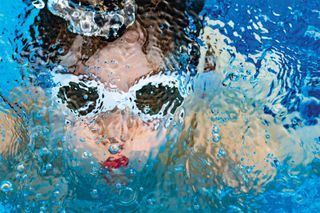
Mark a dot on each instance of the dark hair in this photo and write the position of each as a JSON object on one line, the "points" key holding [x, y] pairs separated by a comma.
{"points": [[165, 23]]}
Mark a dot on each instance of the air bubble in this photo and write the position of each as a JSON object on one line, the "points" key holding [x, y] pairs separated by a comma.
{"points": [[221, 152], [215, 129], [56, 193], [214, 110], [75, 14], [94, 193], [196, 206], [267, 136], [216, 138], [86, 155], [43, 209], [118, 185], [6, 186], [85, 27], [39, 4], [48, 166], [114, 149], [20, 167], [92, 22], [44, 152], [146, 109], [38, 196], [127, 196], [67, 122], [132, 172], [233, 116]]}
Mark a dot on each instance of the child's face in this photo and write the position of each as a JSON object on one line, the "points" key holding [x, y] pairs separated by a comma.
{"points": [[117, 66]]}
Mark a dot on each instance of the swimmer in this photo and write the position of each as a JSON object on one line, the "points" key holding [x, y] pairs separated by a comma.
{"points": [[119, 136], [225, 141], [130, 64]]}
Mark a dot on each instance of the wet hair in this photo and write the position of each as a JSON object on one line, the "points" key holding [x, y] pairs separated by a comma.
{"points": [[165, 23], [101, 5]]}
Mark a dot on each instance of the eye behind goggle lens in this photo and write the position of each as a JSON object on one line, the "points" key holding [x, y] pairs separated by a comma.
{"points": [[152, 99], [79, 98]]}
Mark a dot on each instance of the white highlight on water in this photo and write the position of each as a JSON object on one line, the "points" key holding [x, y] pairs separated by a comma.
{"points": [[39, 4]]}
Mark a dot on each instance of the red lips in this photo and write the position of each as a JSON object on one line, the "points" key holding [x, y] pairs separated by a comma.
{"points": [[115, 163]]}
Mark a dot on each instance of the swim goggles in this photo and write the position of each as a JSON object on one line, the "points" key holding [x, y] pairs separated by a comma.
{"points": [[150, 98]]}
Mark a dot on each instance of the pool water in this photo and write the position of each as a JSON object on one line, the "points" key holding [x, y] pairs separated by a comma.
{"points": [[234, 130]]}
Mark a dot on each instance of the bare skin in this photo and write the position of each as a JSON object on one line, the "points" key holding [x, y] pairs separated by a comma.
{"points": [[119, 65]]}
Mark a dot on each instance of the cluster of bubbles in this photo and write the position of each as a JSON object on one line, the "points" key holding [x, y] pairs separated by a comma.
{"points": [[106, 24], [6, 186], [219, 116], [39, 4], [215, 133], [142, 188]]}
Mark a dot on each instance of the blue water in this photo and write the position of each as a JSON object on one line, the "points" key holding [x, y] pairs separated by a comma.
{"points": [[289, 31], [293, 31]]}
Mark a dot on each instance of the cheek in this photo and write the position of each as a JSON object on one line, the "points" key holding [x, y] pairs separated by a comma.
{"points": [[85, 140], [146, 140]]}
